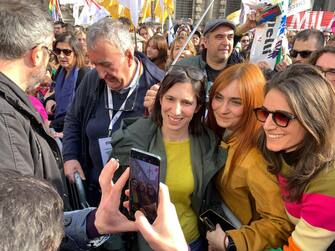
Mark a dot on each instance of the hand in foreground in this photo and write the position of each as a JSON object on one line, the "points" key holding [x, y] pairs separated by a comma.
{"points": [[150, 97], [263, 65], [165, 233], [281, 66], [216, 239], [108, 218], [72, 166]]}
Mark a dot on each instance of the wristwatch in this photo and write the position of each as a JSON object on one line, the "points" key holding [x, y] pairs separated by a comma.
{"points": [[230, 244]]}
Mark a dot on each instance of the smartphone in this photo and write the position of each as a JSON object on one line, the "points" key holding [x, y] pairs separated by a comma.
{"points": [[210, 218], [144, 183]]}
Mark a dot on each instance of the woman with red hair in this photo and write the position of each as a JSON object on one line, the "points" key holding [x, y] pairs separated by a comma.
{"points": [[245, 185]]}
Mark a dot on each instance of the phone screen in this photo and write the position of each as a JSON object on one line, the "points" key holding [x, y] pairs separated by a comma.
{"points": [[144, 183]]}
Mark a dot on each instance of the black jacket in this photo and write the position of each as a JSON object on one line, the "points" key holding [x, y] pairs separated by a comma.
{"points": [[58, 123], [75, 141], [25, 144]]}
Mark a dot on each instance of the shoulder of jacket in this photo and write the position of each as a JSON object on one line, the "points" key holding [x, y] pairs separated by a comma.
{"points": [[150, 68], [192, 61], [89, 82]]}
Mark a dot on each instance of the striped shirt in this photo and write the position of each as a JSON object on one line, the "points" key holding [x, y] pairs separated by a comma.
{"points": [[314, 215]]}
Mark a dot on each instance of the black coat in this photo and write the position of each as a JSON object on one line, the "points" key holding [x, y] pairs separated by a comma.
{"points": [[25, 145]]}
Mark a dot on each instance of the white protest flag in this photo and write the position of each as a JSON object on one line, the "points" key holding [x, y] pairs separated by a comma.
{"points": [[75, 13], [92, 12], [170, 32], [268, 39], [135, 7]]}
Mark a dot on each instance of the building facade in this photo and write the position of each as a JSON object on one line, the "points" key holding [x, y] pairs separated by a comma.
{"points": [[195, 8], [221, 8]]}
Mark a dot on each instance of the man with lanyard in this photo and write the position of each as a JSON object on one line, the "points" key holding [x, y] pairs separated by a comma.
{"points": [[114, 90], [26, 35]]}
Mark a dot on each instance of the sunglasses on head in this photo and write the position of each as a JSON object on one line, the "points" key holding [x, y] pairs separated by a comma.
{"points": [[303, 54], [191, 72], [66, 52], [280, 118]]}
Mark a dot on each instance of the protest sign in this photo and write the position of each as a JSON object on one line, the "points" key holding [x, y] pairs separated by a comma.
{"points": [[310, 19], [268, 39]]}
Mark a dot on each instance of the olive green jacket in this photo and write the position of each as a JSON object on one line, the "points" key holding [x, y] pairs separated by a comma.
{"points": [[207, 159]]}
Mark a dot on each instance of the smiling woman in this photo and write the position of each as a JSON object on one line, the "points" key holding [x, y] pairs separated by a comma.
{"points": [[188, 150], [244, 183], [302, 153]]}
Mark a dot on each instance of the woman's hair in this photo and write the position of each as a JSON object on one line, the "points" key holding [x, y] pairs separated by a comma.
{"points": [[312, 99], [183, 74], [159, 42], [147, 28], [251, 82], [78, 51], [317, 54], [180, 41]]}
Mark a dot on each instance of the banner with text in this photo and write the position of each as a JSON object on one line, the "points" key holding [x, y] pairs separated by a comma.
{"points": [[268, 39], [310, 19]]}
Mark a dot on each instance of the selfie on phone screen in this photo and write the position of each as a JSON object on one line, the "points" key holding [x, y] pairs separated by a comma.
{"points": [[143, 184]]}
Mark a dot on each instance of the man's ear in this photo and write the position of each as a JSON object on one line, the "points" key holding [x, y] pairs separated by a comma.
{"points": [[129, 57], [205, 41], [35, 55]]}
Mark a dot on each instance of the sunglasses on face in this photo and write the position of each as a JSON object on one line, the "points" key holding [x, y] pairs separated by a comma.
{"points": [[66, 52], [280, 118], [303, 54]]}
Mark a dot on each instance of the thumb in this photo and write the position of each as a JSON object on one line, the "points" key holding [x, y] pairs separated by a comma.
{"points": [[145, 227], [81, 173]]}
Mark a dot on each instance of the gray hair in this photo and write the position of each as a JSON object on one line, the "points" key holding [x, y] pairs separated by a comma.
{"points": [[113, 31], [31, 213], [23, 25]]}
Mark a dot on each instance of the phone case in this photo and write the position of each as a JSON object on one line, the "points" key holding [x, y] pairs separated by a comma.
{"points": [[210, 218]]}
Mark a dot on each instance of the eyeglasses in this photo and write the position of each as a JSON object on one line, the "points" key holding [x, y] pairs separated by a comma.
{"points": [[329, 73], [191, 72], [66, 52], [280, 118], [50, 52], [303, 54]]}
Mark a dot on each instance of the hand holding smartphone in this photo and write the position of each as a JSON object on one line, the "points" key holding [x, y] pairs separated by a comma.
{"points": [[144, 183]]}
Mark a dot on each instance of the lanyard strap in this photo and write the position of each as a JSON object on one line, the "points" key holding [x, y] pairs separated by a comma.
{"points": [[133, 86], [119, 113]]}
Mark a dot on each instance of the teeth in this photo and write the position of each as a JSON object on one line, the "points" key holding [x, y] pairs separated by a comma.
{"points": [[174, 119], [274, 136]]}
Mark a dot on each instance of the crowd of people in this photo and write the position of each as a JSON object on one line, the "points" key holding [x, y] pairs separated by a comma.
{"points": [[251, 143]]}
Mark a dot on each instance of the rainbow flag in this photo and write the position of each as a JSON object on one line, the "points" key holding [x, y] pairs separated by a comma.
{"points": [[54, 10]]}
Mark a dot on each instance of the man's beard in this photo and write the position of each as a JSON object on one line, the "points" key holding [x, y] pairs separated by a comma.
{"points": [[37, 76]]}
